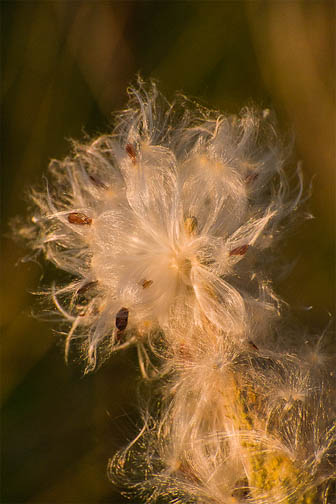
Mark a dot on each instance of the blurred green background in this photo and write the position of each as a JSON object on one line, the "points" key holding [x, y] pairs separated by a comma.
{"points": [[65, 68]]}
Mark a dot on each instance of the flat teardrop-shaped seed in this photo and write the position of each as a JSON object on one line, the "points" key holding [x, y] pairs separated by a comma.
{"points": [[146, 283], [131, 152], [121, 320], [97, 182], [239, 250], [190, 225], [79, 218], [251, 177], [253, 345], [87, 286]]}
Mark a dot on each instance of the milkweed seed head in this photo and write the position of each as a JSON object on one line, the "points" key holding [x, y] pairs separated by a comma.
{"points": [[166, 214], [167, 227]]}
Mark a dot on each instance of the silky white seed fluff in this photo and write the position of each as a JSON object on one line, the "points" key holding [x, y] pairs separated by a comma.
{"points": [[225, 433], [168, 216], [167, 228]]}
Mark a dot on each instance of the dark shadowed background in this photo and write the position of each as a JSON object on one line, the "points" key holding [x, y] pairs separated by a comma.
{"points": [[65, 68]]}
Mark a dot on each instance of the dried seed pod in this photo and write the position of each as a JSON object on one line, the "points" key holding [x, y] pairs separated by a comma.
{"points": [[146, 283], [131, 152], [239, 250], [79, 218], [121, 319], [190, 225]]}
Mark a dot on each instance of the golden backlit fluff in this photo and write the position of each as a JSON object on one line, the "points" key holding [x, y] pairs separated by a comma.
{"points": [[167, 228], [234, 427], [168, 219]]}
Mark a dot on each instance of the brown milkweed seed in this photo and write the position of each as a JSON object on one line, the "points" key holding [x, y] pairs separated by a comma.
{"points": [[251, 178], [122, 319], [239, 250], [190, 225], [79, 218], [87, 286], [146, 283], [97, 182], [131, 152], [253, 345]]}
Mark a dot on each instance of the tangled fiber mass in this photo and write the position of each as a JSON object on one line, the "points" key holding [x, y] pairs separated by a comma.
{"points": [[168, 228]]}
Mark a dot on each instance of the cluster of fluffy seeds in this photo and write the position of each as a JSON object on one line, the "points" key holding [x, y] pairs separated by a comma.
{"points": [[235, 427], [166, 227]]}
